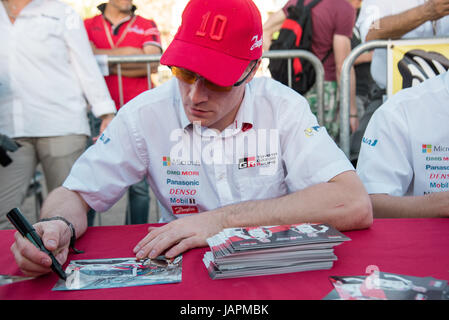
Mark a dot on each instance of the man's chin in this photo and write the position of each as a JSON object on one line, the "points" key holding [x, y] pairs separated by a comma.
{"points": [[198, 121]]}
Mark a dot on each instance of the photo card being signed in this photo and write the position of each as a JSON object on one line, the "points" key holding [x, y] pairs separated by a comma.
{"points": [[120, 272]]}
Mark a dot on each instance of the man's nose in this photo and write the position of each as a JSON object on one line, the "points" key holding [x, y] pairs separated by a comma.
{"points": [[198, 92]]}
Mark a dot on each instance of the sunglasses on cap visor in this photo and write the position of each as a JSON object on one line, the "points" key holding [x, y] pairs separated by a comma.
{"points": [[191, 77]]}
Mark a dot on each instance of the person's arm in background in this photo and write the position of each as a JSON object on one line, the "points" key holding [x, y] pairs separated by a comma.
{"points": [[395, 26], [341, 44], [366, 57], [273, 24]]}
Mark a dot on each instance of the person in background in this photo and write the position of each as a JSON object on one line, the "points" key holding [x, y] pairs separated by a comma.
{"points": [[365, 85], [362, 65], [404, 155], [119, 31], [399, 19], [47, 69]]}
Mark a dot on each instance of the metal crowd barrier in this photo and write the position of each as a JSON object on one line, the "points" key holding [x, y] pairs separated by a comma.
{"points": [[278, 54], [133, 59], [345, 86], [317, 65]]}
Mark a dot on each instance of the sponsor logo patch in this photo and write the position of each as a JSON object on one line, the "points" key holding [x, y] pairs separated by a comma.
{"points": [[429, 148], [426, 148], [183, 172], [182, 192], [258, 161], [166, 161], [369, 142], [104, 139], [183, 200], [183, 182], [312, 130]]}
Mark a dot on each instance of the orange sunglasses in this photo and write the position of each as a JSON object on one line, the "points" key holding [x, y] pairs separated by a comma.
{"points": [[191, 77]]}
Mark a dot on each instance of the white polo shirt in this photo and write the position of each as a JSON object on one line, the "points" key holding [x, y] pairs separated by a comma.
{"points": [[273, 147], [373, 10], [405, 150], [47, 70]]}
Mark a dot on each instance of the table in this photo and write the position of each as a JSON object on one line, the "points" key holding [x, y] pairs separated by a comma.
{"points": [[416, 247]]}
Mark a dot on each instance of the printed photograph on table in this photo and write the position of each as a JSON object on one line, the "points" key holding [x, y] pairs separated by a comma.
{"points": [[388, 286], [120, 272]]}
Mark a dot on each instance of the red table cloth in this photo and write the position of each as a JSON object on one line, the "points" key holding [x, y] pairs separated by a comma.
{"points": [[416, 247]]}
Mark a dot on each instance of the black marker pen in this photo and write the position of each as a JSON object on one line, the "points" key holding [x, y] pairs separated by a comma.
{"points": [[27, 230]]}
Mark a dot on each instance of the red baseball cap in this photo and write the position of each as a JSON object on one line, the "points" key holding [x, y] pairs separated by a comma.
{"points": [[217, 39]]}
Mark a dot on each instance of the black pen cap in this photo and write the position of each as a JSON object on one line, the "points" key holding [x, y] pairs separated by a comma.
{"points": [[19, 221]]}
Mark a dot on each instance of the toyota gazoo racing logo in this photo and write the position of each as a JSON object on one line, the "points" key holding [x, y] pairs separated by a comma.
{"points": [[266, 160], [247, 162]]}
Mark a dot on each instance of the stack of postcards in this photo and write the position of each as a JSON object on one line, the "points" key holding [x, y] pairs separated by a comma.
{"points": [[253, 251]]}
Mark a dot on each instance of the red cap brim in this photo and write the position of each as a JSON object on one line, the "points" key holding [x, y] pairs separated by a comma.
{"points": [[215, 66]]}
